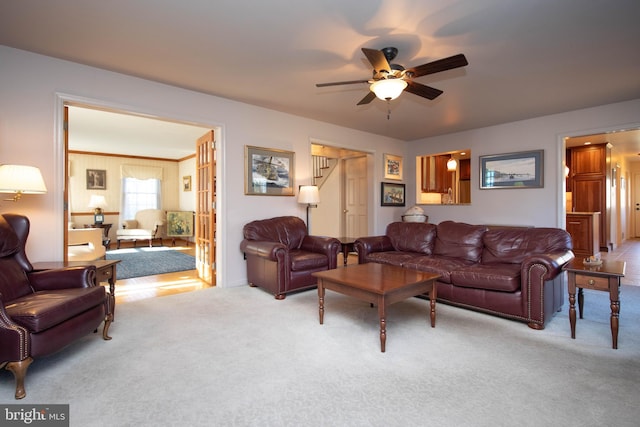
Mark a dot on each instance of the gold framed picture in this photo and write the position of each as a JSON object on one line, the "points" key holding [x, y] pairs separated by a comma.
{"points": [[392, 167], [268, 172], [186, 183]]}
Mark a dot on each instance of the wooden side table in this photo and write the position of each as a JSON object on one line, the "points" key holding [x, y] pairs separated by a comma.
{"points": [[605, 277], [347, 247], [105, 232]]}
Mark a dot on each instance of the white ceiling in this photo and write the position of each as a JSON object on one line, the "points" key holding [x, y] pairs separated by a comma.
{"points": [[526, 58]]}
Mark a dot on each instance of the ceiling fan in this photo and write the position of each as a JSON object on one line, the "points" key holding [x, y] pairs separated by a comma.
{"points": [[390, 80]]}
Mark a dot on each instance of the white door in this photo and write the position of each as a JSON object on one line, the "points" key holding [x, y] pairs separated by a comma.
{"points": [[355, 213]]}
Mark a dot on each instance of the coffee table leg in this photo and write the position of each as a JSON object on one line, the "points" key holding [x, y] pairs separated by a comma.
{"points": [[383, 325], [321, 301]]}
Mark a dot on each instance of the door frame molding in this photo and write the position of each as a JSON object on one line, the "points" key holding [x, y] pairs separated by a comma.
{"points": [[61, 99], [561, 181]]}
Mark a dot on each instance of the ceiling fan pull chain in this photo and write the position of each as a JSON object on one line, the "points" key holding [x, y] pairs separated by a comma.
{"points": [[388, 109]]}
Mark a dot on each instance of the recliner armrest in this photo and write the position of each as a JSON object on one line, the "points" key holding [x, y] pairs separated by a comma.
{"points": [[63, 278], [262, 249]]}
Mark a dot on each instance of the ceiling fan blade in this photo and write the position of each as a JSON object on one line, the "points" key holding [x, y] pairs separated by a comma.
{"points": [[349, 82], [377, 59], [422, 90], [367, 99], [444, 64]]}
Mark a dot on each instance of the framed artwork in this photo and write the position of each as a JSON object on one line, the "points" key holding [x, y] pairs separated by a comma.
{"points": [[392, 194], [512, 170], [179, 223], [268, 172], [186, 183], [392, 167], [96, 179]]}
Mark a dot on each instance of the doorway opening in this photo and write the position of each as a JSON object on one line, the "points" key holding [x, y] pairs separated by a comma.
{"points": [[107, 135], [343, 176]]}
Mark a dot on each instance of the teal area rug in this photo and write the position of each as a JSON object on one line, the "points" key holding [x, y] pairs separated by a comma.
{"points": [[138, 262]]}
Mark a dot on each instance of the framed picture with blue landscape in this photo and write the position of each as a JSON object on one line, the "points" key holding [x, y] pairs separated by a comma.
{"points": [[524, 169]]}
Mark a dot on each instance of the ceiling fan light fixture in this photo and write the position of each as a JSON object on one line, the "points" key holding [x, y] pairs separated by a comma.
{"points": [[387, 89]]}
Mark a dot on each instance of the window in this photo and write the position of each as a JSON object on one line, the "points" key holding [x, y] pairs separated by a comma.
{"points": [[138, 194]]}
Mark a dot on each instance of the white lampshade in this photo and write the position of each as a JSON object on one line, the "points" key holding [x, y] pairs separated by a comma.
{"points": [[452, 164], [309, 194], [388, 89], [20, 179], [97, 202]]}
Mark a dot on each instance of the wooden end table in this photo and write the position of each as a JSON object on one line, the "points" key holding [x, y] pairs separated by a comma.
{"points": [[105, 272], [605, 277], [347, 247], [378, 284]]}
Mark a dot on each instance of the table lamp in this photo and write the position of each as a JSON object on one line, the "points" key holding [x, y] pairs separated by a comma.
{"points": [[309, 195], [97, 203]]}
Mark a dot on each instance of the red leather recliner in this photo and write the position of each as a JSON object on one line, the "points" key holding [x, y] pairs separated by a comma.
{"points": [[281, 255], [42, 311]]}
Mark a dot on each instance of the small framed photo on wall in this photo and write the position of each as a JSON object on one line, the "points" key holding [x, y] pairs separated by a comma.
{"points": [[96, 179], [392, 167], [186, 183]]}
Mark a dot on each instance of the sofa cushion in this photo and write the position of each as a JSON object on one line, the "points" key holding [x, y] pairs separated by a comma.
{"points": [[412, 236], [42, 310], [392, 257], [303, 260], [459, 240], [494, 277], [513, 245], [439, 265]]}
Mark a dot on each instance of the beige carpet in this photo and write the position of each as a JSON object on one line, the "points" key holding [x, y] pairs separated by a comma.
{"points": [[238, 357]]}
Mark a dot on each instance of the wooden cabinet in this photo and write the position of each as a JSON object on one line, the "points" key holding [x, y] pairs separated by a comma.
{"points": [[589, 181], [435, 176], [584, 228]]}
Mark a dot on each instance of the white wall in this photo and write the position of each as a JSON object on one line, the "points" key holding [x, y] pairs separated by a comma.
{"points": [[538, 207], [32, 87]]}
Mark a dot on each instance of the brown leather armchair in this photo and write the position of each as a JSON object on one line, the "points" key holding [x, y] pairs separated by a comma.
{"points": [[281, 255], [42, 311]]}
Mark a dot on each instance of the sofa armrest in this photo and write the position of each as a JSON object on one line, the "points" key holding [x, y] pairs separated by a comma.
{"points": [[329, 246], [553, 263], [63, 278], [367, 245], [262, 249]]}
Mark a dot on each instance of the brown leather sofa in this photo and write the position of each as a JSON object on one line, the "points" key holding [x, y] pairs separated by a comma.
{"points": [[281, 255], [513, 272], [42, 311]]}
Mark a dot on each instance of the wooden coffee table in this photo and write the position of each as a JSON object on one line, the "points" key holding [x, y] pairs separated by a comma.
{"points": [[378, 284]]}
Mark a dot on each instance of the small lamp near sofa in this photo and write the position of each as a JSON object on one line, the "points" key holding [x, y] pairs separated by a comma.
{"points": [[97, 203], [309, 195], [19, 180]]}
